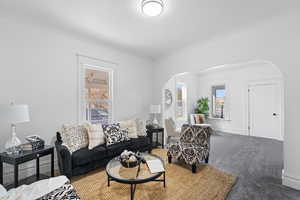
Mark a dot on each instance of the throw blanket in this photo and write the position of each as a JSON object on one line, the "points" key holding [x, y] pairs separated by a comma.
{"points": [[65, 192], [58, 188]]}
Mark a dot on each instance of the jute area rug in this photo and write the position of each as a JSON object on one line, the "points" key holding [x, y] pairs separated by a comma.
{"points": [[181, 184]]}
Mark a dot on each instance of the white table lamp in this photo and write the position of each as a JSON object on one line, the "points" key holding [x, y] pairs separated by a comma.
{"points": [[155, 109], [14, 114]]}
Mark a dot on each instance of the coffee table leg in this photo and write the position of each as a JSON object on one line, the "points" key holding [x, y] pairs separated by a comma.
{"points": [[108, 181], [132, 191], [164, 179]]}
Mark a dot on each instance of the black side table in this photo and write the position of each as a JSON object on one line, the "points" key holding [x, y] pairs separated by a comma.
{"points": [[23, 157], [157, 131]]}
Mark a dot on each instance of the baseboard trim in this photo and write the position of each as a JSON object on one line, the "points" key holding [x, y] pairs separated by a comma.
{"points": [[290, 181], [233, 131]]}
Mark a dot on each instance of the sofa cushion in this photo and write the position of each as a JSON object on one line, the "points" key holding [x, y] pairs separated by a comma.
{"points": [[139, 142], [95, 134], [84, 155], [118, 148], [74, 137], [131, 126]]}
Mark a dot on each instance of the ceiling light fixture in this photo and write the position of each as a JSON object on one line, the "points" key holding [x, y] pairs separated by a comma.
{"points": [[152, 8]]}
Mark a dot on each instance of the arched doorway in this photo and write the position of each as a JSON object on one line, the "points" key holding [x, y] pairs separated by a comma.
{"points": [[243, 112]]}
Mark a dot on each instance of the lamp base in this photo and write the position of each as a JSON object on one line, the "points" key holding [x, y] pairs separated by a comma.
{"points": [[155, 121], [12, 146]]}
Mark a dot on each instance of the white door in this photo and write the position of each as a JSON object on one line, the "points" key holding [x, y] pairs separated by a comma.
{"points": [[264, 111]]}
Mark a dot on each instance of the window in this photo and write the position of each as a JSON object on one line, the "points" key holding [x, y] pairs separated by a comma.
{"points": [[180, 100], [95, 94], [218, 101]]}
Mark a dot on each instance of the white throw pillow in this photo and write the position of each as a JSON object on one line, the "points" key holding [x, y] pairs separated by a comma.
{"points": [[37, 189], [141, 127], [130, 125], [3, 193], [74, 137], [95, 134]]}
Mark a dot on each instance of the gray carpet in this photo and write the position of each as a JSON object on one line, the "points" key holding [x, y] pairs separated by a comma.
{"points": [[257, 162]]}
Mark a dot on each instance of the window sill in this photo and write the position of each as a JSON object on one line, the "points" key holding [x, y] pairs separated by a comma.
{"points": [[220, 119]]}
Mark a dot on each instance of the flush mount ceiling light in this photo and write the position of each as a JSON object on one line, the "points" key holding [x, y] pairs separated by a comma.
{"points": [[152, 8]]}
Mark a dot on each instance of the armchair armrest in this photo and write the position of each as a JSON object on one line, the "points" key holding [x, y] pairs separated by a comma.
{"points": [[64, 159]]}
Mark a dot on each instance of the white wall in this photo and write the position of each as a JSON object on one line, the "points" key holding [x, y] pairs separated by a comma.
{"points": [[39, 67], [190, 81], [276, 40], [236, 79], [169, 110]]}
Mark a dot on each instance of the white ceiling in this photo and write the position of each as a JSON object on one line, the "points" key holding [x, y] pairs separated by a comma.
{"points": [[121, 23]]}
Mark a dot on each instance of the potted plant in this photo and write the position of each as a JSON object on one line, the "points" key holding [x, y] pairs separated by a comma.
{"points": [[202, 108]]}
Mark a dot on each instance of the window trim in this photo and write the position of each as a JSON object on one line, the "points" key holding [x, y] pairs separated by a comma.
{"points": [[94, 64], [184, 100], [212, 94]]}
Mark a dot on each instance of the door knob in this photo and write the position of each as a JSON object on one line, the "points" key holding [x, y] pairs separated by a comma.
{"points": [[274, 114]]}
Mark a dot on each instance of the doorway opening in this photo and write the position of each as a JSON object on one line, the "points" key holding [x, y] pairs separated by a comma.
{"points": [[238, 95]]}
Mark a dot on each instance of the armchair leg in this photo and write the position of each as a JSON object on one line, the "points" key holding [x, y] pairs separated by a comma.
{"points": [[194, 168], [169, 159], [206, 159]]}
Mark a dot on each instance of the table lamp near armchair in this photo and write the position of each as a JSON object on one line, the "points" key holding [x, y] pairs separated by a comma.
{"points": [[14, 114]]}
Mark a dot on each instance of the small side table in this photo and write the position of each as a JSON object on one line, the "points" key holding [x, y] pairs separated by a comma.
{"points": [[157, 131], [25, 156]]}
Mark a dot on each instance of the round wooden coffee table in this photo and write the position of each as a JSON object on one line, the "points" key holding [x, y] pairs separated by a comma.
{"points": [[133, 176]]}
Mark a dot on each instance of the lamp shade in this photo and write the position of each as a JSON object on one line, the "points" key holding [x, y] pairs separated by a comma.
{"points": [[14, 113], [155, 109]]}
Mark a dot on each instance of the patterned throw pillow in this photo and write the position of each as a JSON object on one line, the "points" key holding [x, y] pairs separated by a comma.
{"points": [[95, 134], [107, 128], [131, 126], [74, 137], [124, 133], [114, 134], [65, 192]]}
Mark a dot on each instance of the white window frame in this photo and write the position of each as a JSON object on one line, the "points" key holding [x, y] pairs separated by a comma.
{"points": [[184, 103], [94, 64], [212, 113]]}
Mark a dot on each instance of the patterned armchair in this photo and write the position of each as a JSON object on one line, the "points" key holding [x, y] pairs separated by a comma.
{"points": [[193, 147]]}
